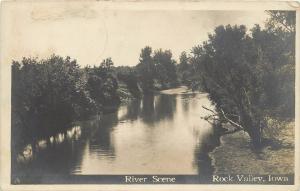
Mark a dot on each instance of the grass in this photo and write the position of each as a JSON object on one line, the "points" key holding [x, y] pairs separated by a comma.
{"points": [[234, 155]]}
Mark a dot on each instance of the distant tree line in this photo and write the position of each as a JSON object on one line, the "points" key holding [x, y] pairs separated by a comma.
{"points": [[155, 71], [249, 76]]}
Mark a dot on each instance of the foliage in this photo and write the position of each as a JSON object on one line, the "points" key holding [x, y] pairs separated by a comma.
{"points": [[145, 69], [50, 93], [249, 76], [165, 70], [102, 84], [281, 21], [157, 71], [128, 76], [183, 68]]}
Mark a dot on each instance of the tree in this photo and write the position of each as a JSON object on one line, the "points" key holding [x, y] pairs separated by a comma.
{"points": [[183, 68], [276, 68], [183, 61], [103, 85], [250, 77], [226, 61], [145, 69], [165, 69], [106, 68], [128, 75], [281, 21]]}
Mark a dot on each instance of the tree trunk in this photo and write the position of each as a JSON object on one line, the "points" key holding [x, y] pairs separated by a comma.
{"points": [[256, 137], [253, 129]]}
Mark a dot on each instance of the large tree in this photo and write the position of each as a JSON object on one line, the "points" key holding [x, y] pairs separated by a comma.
{"points": [[165, 69], [249, 77], [229, 78], [145, 69], [185, 69], [102, 84]]}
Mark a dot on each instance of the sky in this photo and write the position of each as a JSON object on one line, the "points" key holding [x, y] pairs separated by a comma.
{"points": [[90, 34]]}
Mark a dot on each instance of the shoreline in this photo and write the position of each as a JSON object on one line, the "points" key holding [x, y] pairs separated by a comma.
{"points": [[182, 89], [234, 154]]}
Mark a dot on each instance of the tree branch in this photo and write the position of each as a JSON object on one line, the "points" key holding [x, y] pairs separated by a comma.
{"points": [[210, 117], [230, 132], [232, 122], [280, 21], [235, 124], [210, 110]]}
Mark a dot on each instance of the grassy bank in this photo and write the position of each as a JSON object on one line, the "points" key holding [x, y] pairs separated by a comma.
{"points": [[234, 155]]}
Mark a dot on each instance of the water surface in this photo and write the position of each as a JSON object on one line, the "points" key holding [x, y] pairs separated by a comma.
{"points": [[160, 134]]}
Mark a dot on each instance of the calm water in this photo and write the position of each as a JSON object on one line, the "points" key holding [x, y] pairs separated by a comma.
{"points": [[161, 134]]}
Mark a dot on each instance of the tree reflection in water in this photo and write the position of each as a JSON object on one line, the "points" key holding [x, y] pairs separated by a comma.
{"points": [[204, 147], [157, 108], [154, 127], [100, 141]]}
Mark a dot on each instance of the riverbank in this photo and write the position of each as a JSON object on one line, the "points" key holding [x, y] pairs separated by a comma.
{"points": [[126, 95], [178, 90], [234, 155]]}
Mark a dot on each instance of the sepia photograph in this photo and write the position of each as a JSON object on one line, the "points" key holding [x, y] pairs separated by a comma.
{"points": [[103, 95]]}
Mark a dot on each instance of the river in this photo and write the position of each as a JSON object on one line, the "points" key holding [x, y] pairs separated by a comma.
{"points": [[160, 134]]}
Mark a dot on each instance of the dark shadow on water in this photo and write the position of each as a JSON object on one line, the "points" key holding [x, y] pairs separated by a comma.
{"points": [[207, 144], [133, 110], [147, 109], [53, 160], [100, 140]]}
